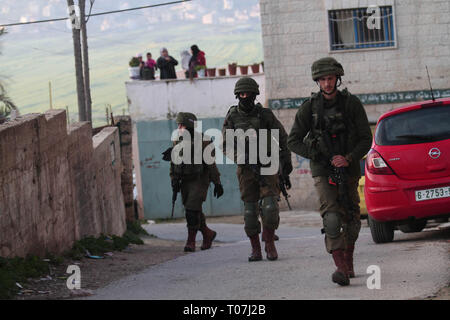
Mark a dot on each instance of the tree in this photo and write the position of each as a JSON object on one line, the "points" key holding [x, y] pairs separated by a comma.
{"points": [[6, 105]]}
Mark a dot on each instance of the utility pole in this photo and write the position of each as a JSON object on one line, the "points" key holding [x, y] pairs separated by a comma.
{"points": [[75, 23], [85, 57]]}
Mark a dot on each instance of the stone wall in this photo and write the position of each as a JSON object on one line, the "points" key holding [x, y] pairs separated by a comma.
{"points": [[126, 149], [57, 184]]}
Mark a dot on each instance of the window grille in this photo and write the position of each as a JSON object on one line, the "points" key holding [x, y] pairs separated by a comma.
{"points": [[349, 29]]}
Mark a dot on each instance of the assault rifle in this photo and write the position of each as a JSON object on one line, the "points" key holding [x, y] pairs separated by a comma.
{"points": [[283, 182], [339, 178]]}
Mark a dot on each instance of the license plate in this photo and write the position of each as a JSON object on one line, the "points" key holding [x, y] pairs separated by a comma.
{"points": [[435, 193]]}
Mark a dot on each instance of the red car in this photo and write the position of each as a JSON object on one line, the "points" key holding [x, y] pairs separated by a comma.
{"points": [[408, 169]]}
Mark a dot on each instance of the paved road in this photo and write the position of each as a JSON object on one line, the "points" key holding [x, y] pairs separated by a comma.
{"points": [[413, 266]]}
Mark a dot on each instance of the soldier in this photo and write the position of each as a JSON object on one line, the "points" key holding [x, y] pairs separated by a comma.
{"points": [[260, 193], [193, 181], [331, 129]]}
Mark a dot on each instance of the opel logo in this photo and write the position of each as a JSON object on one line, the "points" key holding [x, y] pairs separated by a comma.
{"points": [[434, 153]]}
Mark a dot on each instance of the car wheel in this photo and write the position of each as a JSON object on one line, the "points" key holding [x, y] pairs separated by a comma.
{"points": [[415, 226], [382, 232]]}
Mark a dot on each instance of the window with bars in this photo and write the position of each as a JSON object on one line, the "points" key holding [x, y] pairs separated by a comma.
{"points": [[361, 28]]}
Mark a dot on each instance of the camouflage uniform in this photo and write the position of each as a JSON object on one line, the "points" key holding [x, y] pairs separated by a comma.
{"points": [[343, 121], [260, 193], [193, 181]]}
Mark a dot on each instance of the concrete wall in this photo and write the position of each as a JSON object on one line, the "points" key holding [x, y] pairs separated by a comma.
{"points": [[153, 106], [57, 184]]}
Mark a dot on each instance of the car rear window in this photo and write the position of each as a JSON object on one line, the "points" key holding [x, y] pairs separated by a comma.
{"points": [[416, 126]]}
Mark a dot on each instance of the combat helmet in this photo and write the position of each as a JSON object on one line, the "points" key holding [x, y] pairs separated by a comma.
{"points": [[186, 118], [246, 84], [326, 66]]}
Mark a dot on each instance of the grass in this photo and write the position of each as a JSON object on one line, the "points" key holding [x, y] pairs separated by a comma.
{"points": [[19, 270]]}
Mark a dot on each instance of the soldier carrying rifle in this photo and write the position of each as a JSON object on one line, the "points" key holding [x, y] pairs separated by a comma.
{"points": [[259, 192], [331, 129], [193, 180]]}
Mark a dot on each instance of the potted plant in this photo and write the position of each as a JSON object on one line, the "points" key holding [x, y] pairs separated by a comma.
{"points": [[8, 109], [211, 72], [255, 68], [222, 72], [243, 69], [232, 68], [134, 68]]}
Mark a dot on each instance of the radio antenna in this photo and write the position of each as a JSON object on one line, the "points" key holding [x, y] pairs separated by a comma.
{"points": [[429, 81]]}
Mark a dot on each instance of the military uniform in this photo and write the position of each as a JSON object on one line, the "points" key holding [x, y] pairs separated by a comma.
{"points": [[260, 193], [193, 181], [324, 128]]}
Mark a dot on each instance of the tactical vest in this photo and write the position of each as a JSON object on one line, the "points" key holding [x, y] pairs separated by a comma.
{"points": [[189, 170], [256, 120], [329, 125]]}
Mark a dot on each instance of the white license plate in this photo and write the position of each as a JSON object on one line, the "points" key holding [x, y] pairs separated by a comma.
{"points": [[435, 193]]}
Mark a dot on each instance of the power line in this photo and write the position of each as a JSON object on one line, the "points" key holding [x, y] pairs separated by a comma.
{"points": [[94, 14]]}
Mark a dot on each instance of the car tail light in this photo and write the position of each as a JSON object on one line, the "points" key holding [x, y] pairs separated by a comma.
{"points": [[375, 164]]}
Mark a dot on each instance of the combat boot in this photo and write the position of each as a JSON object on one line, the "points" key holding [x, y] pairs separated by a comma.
{"points": [[348, 254], [190, 243], [208, 237], [340, 276], [269, 236], [256, 249]]}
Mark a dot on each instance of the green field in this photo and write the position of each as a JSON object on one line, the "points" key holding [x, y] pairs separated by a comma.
{"points": [[27, 65]]}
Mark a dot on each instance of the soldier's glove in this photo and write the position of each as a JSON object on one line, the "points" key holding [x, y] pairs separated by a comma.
{"points": [[287, 182], [167, 155], [218, 190], [176, 185]]}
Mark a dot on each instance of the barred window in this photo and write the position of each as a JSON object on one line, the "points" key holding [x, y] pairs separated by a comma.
{"points": [[361, 28]]}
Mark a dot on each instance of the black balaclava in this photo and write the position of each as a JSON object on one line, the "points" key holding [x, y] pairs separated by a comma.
{"points": [[247, 103]]}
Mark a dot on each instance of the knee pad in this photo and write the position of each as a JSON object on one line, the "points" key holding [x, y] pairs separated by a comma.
{"points": [[270, 211], [193, 219], [252, 225], [332, 224]]}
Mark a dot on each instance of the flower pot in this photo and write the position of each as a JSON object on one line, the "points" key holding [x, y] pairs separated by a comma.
{"points": [[232, 69], [211, 72], [243, 69], [222, 72], [134, 72], [255, 68]]}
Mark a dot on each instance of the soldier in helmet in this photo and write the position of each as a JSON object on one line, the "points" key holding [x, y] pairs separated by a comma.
{"points": [[193, 180], [260, 193], [331, 129]]}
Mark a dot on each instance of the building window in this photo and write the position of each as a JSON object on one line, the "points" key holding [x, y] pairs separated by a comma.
{"points": [[361, 28]]}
